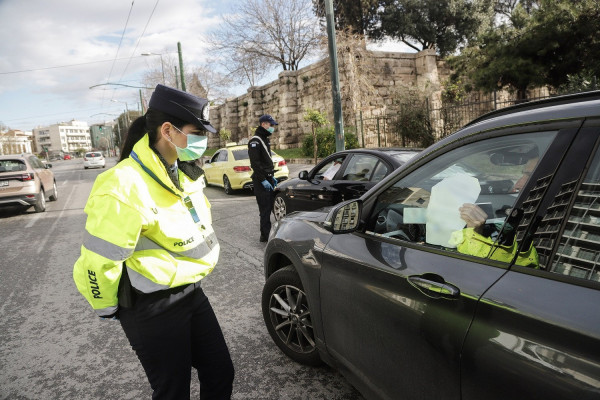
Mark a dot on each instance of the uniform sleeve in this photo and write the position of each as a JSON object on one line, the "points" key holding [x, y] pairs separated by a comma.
{"points": [[254, 150], [111, 233]]}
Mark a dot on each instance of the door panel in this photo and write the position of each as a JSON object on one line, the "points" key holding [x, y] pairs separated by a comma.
{"points": [[380, 325]]}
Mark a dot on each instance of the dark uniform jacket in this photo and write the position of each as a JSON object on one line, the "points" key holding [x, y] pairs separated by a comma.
{"points": [[260, 156]]}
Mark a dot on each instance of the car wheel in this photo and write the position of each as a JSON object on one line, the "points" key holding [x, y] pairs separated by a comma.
{"points": [[54, 195], [279, 207], [287, 316], [227, 185], [40, 204], [85, 167]]}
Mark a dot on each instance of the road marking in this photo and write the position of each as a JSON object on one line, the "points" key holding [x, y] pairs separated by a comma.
{"points": [[64, 182], [33, 220], [51, 230]]}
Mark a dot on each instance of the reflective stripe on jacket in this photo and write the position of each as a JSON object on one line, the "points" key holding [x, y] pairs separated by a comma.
{"points": [[132, 218], [470, 242]]}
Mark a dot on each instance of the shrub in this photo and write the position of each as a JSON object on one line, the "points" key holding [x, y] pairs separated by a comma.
{"points": [[326, 142]]}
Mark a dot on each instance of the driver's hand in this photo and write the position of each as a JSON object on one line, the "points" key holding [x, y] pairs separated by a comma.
{"points": [[474, 216]]}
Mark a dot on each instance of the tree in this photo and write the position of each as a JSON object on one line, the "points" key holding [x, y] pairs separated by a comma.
{"points": [[316, 119], [276, 32], [443, 25], [244, 67], [352, 15], [543, 44]]}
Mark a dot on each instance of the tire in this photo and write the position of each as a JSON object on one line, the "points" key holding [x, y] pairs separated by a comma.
{"points": [[290, 327], [279, 207], [54, 195], [227, 185], [40, 204], [85, 167]]}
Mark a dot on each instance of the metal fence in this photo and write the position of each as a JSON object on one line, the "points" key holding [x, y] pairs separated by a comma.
{"points": [[382, 130]]}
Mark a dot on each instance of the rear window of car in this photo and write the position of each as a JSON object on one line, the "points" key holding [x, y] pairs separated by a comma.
{"points": [[12, 165], [241, 154], [403, 157], [93, 154]]}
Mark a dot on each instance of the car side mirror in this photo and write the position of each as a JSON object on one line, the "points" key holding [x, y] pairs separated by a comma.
{"points": [[303, 175], [345, 217]]}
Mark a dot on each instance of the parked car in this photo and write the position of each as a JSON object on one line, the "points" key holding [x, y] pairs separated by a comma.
{"points": [[342, 176], [93, 159], [409, 303], [230, 168], [26, 181], [67, 157]]}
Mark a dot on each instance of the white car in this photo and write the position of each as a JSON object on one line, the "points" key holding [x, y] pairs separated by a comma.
{"points": [[94, 159]]}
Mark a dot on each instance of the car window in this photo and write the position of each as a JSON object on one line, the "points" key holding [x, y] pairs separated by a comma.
{"points": [[381, 171], [35, 162], [578, 253], [329, 170], [222, 155], [12, 165], [241, 154], [215, 157], [360, 168], [461, 200]]}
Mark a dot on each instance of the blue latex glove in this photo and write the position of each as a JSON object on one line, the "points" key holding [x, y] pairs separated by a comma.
{"points": [[274, 181], [267, 185]]}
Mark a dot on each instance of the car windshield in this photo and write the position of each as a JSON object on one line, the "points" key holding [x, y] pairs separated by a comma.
{"points": [[93, 155], [241, 154], [12, 165]]}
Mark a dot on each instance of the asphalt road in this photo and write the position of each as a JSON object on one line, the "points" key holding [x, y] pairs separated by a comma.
{"points": [[53, 347]]}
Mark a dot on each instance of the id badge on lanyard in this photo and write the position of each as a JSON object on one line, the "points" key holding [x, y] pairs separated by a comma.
{"points": [[190, 206]]}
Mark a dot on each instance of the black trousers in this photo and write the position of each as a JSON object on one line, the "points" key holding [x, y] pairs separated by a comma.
{"points": [[172, 331], [264, 198]]}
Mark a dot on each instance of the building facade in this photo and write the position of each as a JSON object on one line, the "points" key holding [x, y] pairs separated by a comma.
{"points": [[63, 138], [15, 142]]}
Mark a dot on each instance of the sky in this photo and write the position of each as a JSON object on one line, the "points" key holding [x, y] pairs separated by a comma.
{"points": [[52, 52]]}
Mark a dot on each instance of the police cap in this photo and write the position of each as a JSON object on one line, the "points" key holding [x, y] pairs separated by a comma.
{"points": [[182, 105]]}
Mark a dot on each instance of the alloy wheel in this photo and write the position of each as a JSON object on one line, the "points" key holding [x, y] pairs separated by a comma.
{"points": [[279, 208], [290, 316]]}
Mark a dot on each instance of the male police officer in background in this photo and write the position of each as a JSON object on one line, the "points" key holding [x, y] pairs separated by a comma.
{"points": [[259, 150]]}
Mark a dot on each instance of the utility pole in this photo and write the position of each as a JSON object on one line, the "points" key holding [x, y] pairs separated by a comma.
{"points": [[181, 66], [176, 79], [338, 117]]}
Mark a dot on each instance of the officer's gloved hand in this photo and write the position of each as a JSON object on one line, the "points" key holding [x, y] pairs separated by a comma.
{"points": [[267, 185], [274, 182]]}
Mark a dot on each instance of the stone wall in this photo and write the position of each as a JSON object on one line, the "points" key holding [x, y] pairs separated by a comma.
{"points": [[286, 98]]}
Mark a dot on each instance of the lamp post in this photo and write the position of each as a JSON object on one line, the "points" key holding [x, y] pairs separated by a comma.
{"points": [[162, 65]]}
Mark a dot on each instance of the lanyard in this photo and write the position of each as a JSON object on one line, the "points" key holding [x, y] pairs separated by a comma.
{"points": [[186, 200]]}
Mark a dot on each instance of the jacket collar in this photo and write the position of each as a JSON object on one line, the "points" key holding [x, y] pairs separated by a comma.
{"points": [[263, 133], [150, 159]]}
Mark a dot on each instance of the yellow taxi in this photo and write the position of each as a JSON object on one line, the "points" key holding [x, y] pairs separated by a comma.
{"points": [[230, 168]]}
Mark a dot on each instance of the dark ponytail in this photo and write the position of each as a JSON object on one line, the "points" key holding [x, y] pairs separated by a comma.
{"points": [[150, 124]]}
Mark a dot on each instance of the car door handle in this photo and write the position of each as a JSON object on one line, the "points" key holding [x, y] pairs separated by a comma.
{"points": [[434, 286]]}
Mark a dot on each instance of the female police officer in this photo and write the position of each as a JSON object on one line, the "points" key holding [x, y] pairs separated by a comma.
{"points": [[148, 243]]}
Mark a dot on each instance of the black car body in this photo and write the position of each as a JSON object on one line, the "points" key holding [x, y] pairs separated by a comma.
{"points": [[368, 286], [359, 170]]}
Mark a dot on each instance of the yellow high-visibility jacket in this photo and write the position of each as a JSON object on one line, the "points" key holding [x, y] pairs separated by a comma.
{"points": [[149, 227]]}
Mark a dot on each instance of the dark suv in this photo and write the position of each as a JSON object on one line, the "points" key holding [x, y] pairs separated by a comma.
{"points": [[471, 272]]}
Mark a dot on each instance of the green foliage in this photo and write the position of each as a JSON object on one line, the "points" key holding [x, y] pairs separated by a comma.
{"points": [[581, 82], [326, 142], [355, 15], [224, 134], [315, 117], [543, 43], [443, 25], [412, 123], [291, 153]]}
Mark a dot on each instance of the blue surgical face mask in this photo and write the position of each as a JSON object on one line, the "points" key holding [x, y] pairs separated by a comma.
{"points": [[196, 146], [271, 129]]}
